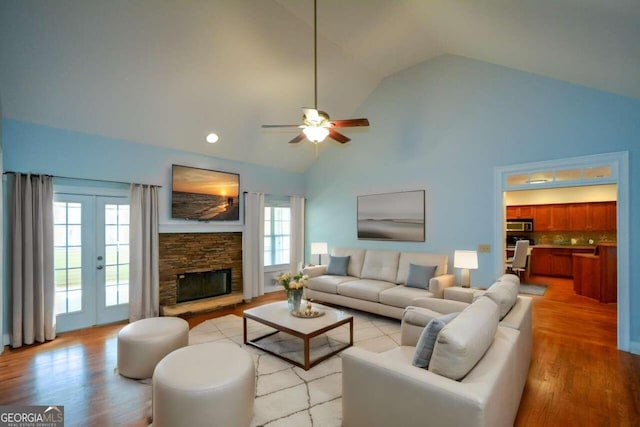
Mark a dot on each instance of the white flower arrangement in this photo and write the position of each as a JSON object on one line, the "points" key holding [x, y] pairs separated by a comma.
{"points": [[288, 281]]}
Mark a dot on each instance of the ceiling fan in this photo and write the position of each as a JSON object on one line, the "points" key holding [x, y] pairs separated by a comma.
{"points": [[317, 125]]}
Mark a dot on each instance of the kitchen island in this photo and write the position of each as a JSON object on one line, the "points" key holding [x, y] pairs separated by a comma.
{"points": [[556, 260], [595, 275]]}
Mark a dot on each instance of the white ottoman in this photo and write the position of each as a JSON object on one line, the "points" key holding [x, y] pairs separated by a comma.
{"points": [[143, 343], [210, 384]]}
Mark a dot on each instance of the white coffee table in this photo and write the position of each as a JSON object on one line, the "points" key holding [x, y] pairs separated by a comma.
{"points": [[277, 316]]}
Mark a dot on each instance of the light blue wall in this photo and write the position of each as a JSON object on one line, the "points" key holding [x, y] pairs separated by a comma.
{"points": [[443, 126], [41, 149]]}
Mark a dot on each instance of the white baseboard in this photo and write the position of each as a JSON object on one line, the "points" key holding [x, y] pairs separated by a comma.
{"points": [[634, 347]]}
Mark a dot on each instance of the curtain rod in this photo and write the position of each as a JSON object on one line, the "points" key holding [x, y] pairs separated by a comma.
{"points": [[84, 179]]}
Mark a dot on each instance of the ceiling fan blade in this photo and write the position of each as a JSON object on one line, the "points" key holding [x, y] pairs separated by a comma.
{"points": [[349, 123], [280, 126], [334, 134], [297, 139]]}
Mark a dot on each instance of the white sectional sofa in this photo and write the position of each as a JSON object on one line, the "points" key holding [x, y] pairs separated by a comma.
{"points": [[376, 281], [475, 376]]}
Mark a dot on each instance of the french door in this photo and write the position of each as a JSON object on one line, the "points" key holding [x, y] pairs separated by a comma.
{"points": [[91, 260]]}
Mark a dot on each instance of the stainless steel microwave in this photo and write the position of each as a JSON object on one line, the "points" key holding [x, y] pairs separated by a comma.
{"points": [[519, 225]]}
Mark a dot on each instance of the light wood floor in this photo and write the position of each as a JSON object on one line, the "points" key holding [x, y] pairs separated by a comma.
{"points": [[577, 377]]}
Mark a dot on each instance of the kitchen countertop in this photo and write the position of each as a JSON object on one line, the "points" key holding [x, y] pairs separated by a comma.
{"points": [[568, 246], [511, 248]]}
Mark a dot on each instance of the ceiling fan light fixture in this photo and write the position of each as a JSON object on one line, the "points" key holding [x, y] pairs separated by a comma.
{"points": [[315, 134]]}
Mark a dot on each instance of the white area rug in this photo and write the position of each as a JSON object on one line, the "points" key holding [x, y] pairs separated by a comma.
{"points": [[290, 396]]}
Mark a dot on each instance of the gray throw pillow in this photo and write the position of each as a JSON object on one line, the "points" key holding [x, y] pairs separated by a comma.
{"points": [[338, 265], [419, 275], [427, 340]]}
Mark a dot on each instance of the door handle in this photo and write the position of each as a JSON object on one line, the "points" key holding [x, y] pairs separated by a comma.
{"points": [[100, 267]]}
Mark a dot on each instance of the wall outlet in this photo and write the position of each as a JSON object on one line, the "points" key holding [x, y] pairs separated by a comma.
{"points": [[484, 248]]}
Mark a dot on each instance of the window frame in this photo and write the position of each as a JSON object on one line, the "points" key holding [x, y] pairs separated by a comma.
{"points": [[271, 263]]}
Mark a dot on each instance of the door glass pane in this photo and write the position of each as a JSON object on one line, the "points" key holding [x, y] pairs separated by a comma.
{"points": [[74, 257], [67, 257], [568, 175], [597, 172], [540, 177], [116, 271]]}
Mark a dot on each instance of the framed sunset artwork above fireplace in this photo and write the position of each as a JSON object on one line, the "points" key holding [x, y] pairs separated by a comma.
{"points": [[204, 195]]}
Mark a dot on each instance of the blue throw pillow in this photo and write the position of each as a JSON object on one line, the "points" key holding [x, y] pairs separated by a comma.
{"points": [[419, 275], [338, 265], [427, 340]]}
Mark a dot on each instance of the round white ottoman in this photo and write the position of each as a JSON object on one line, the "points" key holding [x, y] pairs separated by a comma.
{"points": [[210, 384], [143, 343]]}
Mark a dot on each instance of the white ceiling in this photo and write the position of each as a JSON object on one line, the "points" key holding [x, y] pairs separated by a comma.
{"points": [[167, 73]]}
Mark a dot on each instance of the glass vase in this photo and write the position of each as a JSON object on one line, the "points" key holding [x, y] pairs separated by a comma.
{"points": [[294, 298]]}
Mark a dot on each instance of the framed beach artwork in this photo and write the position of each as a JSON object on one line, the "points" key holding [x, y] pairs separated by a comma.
{"points": [[392, 216], [204, 195]]}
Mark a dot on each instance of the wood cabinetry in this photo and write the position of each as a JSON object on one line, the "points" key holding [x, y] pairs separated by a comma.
{"points": [[542, 220], [595, 276], [560, 217], [600, 216], [554, 261], [593, 216], [520, 212]]}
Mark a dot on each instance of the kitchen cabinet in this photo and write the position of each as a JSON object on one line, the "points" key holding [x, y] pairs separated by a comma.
{"points": [[554, 261], [519, 212], [542, 218], [560, 217], [597, 216], [541, 262], [592, 216], [578, 213]]}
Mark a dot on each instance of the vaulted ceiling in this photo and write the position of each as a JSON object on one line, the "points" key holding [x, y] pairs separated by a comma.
{"points": [[167, 73]]}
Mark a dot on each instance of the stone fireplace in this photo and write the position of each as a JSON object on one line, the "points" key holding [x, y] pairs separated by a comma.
{"points": [[197, 285], [184, 254]]}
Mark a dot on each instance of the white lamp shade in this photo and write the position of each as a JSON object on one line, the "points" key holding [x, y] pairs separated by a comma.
{"points": [[465, 259], [319, 248], [315, 133]]}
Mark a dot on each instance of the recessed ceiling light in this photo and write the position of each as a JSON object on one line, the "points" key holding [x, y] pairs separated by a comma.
{"points": [[212, 138]]}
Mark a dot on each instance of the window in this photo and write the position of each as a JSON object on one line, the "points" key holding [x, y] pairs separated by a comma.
{"points": [[277, 235]]}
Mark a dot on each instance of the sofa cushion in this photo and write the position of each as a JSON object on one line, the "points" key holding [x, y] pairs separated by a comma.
{"points": [[380, 265], [355, 261], [407, 258], [463, 342], [504, 294], [427, 340], [419, 275], [402, 296], [338, 265], [368, 290], [419, 316], [509, 278], [328, 284]]}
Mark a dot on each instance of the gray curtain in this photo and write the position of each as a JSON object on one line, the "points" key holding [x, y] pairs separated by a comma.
{"points": [[31, 259], [253, 246], [144, 282]]}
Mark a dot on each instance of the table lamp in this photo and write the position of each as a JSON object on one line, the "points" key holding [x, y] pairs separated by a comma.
{"points": [[465, 260], [319, 248]]}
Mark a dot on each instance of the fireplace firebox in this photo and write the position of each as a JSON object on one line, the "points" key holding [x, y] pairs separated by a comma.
{"points": [[203, 284]]}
